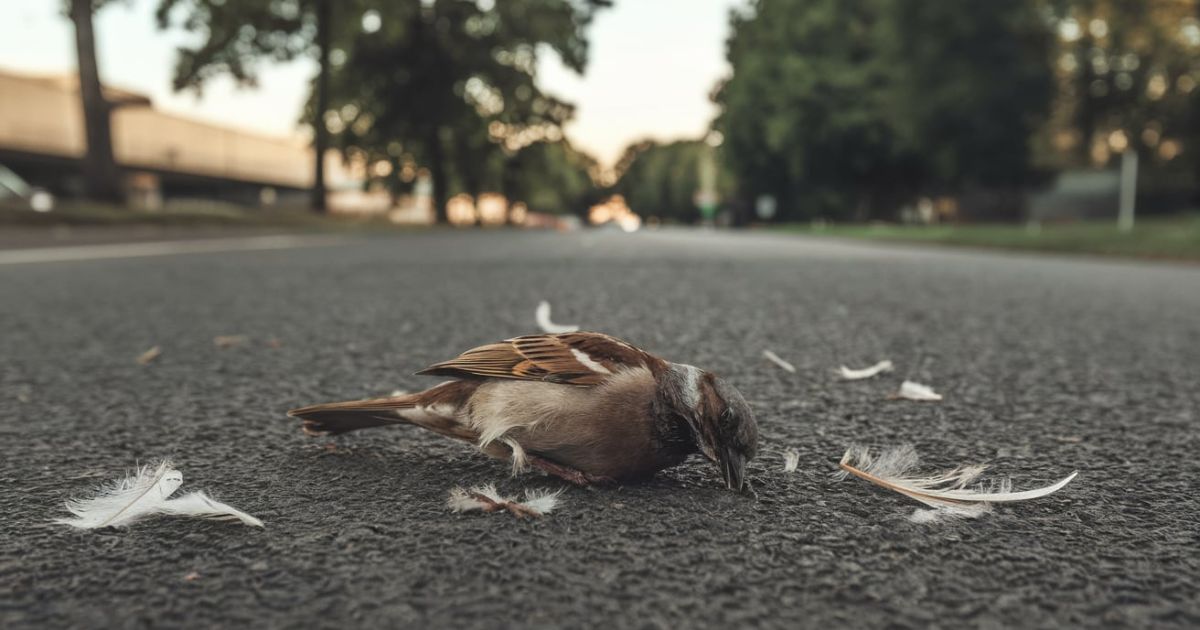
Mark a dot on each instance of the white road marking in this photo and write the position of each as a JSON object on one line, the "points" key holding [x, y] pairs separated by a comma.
{"points": [[159, 248]]}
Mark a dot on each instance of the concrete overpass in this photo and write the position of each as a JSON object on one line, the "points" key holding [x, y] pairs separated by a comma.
{"points": [[163, 155]]}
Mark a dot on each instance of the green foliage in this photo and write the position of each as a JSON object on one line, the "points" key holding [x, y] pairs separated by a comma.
{"points": [[966, 88], [237, 35], [452, 85], [847, 108], [1130, 67], [802, 114], [661, 180], [445, 84], [551, 177]]}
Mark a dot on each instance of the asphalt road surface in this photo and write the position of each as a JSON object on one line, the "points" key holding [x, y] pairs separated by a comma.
{"points": [[1048, 365]]}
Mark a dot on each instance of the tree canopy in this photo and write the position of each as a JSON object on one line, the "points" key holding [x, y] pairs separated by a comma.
{"points": [[452, 85], [445, 84], [846, 108], [662, 180]]}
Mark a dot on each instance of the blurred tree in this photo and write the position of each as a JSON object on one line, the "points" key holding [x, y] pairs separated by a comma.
{"points": [[451, 84], [967, 87], [101, 177], [802, 114], [1127, 72], [237, 35], [663, 180], [850, 108], [551, 177]]}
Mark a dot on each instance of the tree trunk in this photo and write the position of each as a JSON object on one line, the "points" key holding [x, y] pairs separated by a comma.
{"points": [[320, 132], [101, 178], [437, 168], [508, 186], [1086, 113]]}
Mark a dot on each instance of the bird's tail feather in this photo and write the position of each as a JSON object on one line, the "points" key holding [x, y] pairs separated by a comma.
{"points": [[340, 417], [435, 409]]}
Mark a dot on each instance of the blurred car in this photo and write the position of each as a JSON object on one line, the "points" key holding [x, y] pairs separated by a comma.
{"points": [[18, 194]]}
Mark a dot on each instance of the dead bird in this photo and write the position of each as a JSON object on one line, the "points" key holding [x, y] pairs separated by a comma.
{"points": [[583, 406]]}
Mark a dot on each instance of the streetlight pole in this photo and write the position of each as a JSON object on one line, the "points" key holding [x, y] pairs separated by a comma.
{"points": [[1129, 169]]}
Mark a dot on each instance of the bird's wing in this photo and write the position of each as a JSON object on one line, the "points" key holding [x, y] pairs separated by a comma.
{"points": [[581, 358]]}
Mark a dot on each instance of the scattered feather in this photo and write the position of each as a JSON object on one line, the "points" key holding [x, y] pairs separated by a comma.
{"points": [[856, 375], [229, 341], [774, 358], [947, 493], [201, 505], [126, 500], [547, 326], [461, 500], [274, 342], [916, 391], [145, 493], [791, 460], [541, 501], [949, 513], [146, 357], [487, 499]]}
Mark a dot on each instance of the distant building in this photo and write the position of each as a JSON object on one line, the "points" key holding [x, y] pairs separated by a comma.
{"points": [[163, 156]]}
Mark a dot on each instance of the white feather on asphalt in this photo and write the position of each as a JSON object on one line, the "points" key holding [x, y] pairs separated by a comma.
{"points": [[867, 372], [541, 501], [947, 492], [200, 505], [775, 358], [547, 326], [146, 493], [916, 391], [791, 460]]}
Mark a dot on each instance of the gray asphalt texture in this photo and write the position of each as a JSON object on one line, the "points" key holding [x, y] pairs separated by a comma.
{"points": [[1047, 364]]}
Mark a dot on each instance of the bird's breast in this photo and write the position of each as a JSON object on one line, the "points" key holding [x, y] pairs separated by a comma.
{"points": [[607, 430]]}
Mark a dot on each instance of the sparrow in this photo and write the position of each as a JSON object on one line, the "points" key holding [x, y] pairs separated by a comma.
{"points": [[582, 406]]}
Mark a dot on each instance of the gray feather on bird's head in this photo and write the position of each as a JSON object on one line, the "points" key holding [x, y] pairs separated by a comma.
{"points": [[720, 417]]}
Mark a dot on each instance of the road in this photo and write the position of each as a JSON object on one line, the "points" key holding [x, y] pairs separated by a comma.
{"points": [[1047, 364]]}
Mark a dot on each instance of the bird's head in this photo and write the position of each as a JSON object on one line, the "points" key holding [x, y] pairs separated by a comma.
{"points": [[721, 420]]}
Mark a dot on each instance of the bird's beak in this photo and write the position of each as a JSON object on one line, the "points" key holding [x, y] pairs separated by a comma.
{"points": [[734, 466]]}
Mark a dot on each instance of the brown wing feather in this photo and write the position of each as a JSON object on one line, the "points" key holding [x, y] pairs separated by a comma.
{"points": [[581, 358]]}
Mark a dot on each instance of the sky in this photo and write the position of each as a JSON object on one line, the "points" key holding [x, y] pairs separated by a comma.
{"points": [[652, 66]]}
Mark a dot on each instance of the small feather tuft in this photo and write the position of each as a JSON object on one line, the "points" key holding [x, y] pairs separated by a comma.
{"points": [[520, 459], [537, 503], [541, 501], [463, 501], [791, 460]]}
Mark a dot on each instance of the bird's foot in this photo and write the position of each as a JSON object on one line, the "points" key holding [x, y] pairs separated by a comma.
{"points": [[566, 473]]}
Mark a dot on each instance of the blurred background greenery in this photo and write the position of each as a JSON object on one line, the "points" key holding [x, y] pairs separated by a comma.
{"points": [[842, 111]]}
